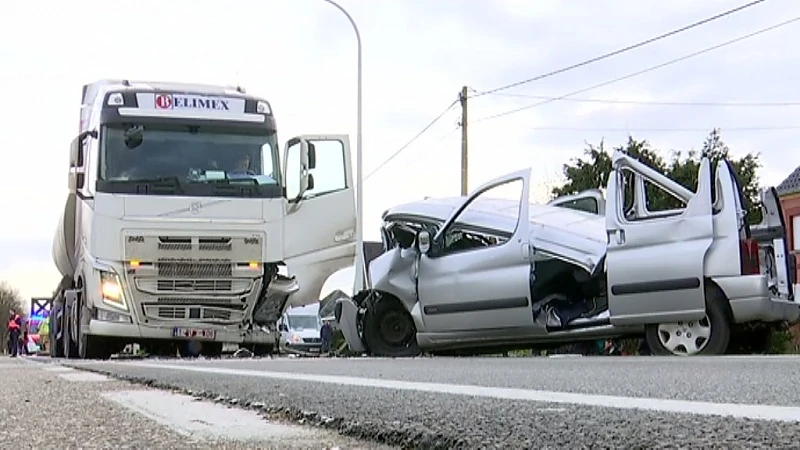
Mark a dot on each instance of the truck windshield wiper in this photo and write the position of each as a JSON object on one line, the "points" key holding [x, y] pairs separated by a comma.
{"points": [[171, 180]]}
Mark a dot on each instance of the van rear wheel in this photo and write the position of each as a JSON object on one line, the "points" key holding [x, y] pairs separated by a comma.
{"points": [[708, 336]]}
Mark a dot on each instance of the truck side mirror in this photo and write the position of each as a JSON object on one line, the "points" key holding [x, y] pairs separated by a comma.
{"points": [[75, 181], [310, 182], [75, 154], [312, 156]]}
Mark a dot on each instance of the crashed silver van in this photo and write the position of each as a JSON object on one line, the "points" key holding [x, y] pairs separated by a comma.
{"points": [[473, 275]]}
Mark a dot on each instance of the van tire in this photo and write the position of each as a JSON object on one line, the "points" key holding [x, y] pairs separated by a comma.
{"points": [[719, 319], [375, 337]]}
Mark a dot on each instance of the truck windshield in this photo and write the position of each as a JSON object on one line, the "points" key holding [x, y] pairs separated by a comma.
{"points": [[303, 322], [190, 154]]}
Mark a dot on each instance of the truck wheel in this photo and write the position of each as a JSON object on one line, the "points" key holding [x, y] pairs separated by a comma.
{"points": [[708, 336], [70, 349], [90, 347], [56, 346], [389, 330]]}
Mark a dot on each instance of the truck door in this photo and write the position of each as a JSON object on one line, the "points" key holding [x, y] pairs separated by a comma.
{"points": [[468, 283], [659, 233], [320, 223]]}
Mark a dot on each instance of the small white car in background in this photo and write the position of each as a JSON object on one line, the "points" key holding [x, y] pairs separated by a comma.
{"points": [[487, 273]]}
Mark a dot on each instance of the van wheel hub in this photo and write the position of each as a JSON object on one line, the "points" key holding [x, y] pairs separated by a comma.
{"points": [[685, 338]]}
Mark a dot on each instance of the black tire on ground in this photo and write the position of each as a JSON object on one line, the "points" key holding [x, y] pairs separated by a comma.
{"points": [[717, 313], [90, 347], [389, 330], [70, 348], [56, 346]]}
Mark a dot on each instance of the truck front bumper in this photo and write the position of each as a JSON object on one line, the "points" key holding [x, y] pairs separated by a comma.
{"points": [[134, 331]]}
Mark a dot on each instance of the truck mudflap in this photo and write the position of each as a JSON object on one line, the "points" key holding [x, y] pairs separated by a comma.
{"points": [[346, 316]]}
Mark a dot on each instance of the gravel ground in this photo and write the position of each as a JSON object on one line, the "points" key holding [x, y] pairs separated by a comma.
{"points": [[43, 410], [414, 419]]}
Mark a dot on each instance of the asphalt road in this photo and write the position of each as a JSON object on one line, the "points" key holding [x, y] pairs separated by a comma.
{"points": [[49, 406], [572, 402]]}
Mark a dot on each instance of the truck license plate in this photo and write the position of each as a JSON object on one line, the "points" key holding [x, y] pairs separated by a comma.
{"points": [[193, 333]]}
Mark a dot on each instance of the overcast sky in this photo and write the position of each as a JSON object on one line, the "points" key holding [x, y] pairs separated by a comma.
{"points": [[301, 54]]}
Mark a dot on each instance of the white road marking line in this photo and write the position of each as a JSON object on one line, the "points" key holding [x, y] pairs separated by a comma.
{"points": [[203, 420], [58, 369], [737, 410], [84, 377]]}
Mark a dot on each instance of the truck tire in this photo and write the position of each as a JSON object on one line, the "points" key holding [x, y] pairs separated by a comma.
{"points": [[56, 345], [90, 347], [70, 348]]}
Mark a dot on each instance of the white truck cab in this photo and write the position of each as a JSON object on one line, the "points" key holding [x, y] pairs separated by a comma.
{"points": [[180, 214]]}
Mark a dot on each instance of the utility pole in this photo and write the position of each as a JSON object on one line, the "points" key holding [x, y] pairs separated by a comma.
{"points": [[462, 97]]}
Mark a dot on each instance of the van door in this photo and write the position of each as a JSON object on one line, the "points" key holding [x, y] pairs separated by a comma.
{"points": [[469, 281], [655, 258], [320, 223]]}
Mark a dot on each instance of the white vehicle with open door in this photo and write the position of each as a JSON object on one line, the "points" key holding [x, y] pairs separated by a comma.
{"points": [[496, 272]]}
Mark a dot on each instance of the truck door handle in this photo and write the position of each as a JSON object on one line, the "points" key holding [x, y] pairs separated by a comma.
{"points": [[619, 234]]}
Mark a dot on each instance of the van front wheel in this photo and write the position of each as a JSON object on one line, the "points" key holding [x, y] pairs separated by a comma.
{"points": [[708, 336]]}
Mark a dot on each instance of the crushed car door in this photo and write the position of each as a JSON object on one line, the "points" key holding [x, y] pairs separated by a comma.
{"points": [[480, 281], [659, 233], [320, 223], [590, 200]]}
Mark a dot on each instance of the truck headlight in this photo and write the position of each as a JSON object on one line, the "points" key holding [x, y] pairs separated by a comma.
{"points": [[111, 290], [296, 338]]}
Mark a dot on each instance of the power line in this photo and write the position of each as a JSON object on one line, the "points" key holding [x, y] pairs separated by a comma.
{"points": [[649, 69], [622, 50], [654, 130], [400, 150], [654, 103]]}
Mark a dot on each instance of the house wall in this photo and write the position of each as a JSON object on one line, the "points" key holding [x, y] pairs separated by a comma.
{"points": [[791, 209]]}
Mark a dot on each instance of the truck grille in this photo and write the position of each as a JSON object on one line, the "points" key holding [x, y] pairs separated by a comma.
{"points": [[195, 269], [191, 313], [194, 285], [227, 301], [176, 243]]}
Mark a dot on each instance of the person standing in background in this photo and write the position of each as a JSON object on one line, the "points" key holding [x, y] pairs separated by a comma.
{"points": [[326, 336], [13, 332]]}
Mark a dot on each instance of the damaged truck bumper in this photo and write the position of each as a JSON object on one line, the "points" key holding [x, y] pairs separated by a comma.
{"points": [[202, 332], [346, 316]]}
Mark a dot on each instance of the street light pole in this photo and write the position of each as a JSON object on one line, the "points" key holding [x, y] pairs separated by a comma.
{"points": [[360, 266]]}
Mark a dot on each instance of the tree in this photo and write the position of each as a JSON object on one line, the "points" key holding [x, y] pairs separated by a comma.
{"points": [[9, 300], [592, 171]]}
